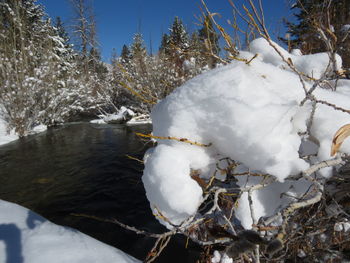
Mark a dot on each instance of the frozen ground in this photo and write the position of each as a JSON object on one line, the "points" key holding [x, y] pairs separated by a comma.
{"points": [[26, 237]]}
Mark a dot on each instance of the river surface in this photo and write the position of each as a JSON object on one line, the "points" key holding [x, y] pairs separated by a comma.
{"points": [[82, 168]]}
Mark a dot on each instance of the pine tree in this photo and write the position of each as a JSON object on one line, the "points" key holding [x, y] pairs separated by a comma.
{"points": [[209, 37], [165, 44], [196, 51], [138, 48], [33, 69], [138, 54], [178, 46], [67, 53], [95, 64], [61, 31], [178, 36], [125, 54]]}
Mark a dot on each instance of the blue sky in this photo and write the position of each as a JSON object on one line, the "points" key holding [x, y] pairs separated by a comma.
{"points": [[118, 20]]}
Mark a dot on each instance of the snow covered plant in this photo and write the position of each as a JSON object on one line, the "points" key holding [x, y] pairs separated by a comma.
{"points": [[248, 145], [243, 155]]}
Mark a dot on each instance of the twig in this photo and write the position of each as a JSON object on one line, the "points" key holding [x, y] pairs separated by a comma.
{"points": [[253, 216], [184, 140], [130, 228], [286, 212], [157, 249]]}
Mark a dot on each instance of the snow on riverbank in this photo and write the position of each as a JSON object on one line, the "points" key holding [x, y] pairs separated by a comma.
{"points": [[9, 136], [249, 113], [123, 116], [29, 238], [6, 137]]}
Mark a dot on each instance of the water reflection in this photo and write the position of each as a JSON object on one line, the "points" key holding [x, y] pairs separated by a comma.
{"points": [[83, 168]]}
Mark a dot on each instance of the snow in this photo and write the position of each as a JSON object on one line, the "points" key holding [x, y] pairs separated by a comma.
{"points": [[342, 226], [251, 114], [345, 28], [6, 137], [38, 129], [120, 117], [313, 65], [216, 257], [301, 253], [346, 226], [29, 238], [98, 121], [9, 136], [134, 121]]}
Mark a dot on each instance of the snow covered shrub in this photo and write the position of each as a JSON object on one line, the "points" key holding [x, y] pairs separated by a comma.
{"points": [[39, 79], [249, 137]]}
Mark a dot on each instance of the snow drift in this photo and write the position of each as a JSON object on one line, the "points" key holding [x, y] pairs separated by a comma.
{"points": [[30, 238], [249, 113]]}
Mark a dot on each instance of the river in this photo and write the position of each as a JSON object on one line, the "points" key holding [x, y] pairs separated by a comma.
{"points": [[83, 168]]}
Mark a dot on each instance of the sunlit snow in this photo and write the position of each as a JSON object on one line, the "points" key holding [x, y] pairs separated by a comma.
{"points": [[250, 113], [29, 238]]}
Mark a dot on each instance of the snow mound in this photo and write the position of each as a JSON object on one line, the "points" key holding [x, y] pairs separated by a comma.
{"points": [[249, 113], [313, 65], [28, 237]]}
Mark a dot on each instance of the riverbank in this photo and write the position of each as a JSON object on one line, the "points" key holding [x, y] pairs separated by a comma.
{"points": [[27, 237], [6, 137]]}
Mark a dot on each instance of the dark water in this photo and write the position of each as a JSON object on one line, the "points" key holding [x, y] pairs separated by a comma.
{"points": [[83, 168]]}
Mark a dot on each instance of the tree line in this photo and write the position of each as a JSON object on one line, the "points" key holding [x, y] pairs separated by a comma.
{"points": [[48, 75]]}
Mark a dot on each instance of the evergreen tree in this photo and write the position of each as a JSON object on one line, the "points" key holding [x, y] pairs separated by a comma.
{"points": [[178, 46], [165, 44], [178, 36], [38, 77], [67, 53], [125, 54], [196, 50], [138, 54], [209, 37], [95, 64], [32, 68], [138, 48], [61, 31]]}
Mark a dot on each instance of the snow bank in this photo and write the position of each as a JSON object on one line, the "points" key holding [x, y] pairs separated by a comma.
{"points": [[29, 238], [249, 113], [6, 137]]}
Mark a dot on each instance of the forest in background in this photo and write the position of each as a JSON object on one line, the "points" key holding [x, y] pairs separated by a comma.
{"points": [[48, 75]]}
